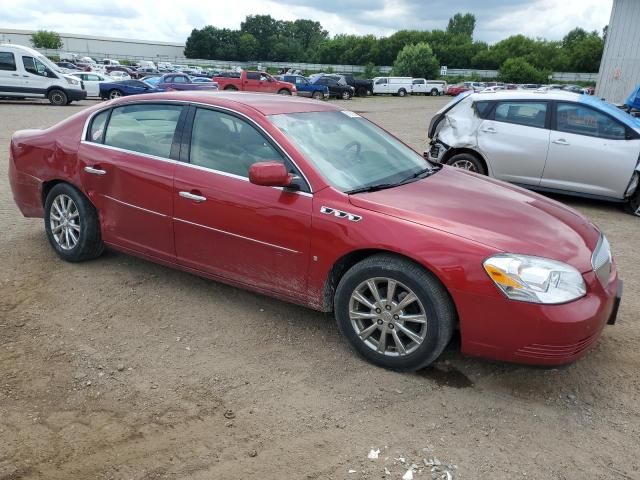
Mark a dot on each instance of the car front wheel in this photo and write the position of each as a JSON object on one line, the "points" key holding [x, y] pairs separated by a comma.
{"points": [[71, 223], [467, 161], [346, 95], [57, 97], [394, 313]]}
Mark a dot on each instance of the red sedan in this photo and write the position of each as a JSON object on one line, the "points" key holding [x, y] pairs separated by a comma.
{"points": [[303, 201]]}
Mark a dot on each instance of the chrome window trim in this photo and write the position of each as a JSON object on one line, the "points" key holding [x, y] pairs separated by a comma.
{"points": [[236, 235], [186, 104]]}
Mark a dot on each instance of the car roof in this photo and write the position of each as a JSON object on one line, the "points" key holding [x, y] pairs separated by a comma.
{"points": [[264, 103]]}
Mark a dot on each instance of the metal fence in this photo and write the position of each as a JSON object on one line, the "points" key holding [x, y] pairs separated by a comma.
{"points": [[310, 67]]}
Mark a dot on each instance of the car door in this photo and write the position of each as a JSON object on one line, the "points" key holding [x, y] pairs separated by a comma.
{"points": [[126, 164], [225, 225], [381, 85], [92, 83], [590, 152], [419, 86], [36, 75], [514, 139], [302, 85], [252, 82]]}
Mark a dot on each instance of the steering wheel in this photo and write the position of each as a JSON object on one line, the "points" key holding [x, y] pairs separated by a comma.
{"points": [[350, 145]]}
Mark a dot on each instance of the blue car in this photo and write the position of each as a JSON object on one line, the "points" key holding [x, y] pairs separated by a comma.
{"points": [[633, 102], [306, 88], [180, 81], [110, 90]]}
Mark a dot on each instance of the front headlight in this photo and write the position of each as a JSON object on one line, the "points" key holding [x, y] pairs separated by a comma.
{"points": [[72, 81], [535, 279]]}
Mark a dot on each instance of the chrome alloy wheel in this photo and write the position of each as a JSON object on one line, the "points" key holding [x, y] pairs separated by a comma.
{"points": [[464, 165], [388, 316], [64, 219]]}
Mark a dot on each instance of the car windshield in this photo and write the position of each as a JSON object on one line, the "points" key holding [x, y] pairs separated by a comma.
{"points": [[349, 151]]}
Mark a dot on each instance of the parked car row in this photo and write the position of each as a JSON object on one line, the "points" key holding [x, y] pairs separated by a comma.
{"points": [[496, 86]]}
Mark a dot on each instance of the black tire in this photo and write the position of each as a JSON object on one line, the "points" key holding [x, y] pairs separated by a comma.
{"points": [[231, 88], [467, 161], [434, 298], [317, 95], [57, 97], [284, 91], [633, 204], [402, 92], [361, 92], [115, 93], [434, 92], [89, 243], [346, 95]]}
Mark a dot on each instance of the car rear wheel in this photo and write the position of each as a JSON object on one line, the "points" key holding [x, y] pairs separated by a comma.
{"points": [[467, 161], [317, 95], [231, 88], [115, 94], [434, 92], [57, 97], [71, 223], [402, 92], [346, 95], [284, 91], [394, 313]]}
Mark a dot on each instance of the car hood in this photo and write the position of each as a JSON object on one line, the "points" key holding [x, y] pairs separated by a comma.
{"points": [[487, 211]]}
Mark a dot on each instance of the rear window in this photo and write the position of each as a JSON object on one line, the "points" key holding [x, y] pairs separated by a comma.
{"points": [[7, 61], [530, 114]]}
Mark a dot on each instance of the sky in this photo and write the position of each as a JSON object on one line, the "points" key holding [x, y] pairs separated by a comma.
{"points": [[173, 21]]}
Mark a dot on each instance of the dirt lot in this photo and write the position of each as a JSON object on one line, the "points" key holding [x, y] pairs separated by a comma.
{"points": [[122, 369]]}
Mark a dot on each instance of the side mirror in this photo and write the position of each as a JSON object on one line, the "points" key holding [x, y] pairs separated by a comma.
{"points": [[270, 174]]}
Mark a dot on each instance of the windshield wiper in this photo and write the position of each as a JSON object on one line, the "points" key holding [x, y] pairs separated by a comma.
{"points": [[423, 173], [371, 188]]}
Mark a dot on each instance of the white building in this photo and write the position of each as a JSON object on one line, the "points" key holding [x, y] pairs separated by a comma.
{"points": [[103, 47], [620, 67]]}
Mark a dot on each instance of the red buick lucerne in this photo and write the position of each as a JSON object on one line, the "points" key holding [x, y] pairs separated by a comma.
{"points": [[315, 205]]}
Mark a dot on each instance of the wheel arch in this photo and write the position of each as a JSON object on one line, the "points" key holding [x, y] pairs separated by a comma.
{"points": [[456, 150], [348, 260], [49, 184]]}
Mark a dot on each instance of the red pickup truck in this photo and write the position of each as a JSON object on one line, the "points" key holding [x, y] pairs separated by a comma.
{"points": [[255, 82]]}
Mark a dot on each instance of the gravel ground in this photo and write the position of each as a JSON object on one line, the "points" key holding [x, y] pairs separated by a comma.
{"points": [[123, 369]]}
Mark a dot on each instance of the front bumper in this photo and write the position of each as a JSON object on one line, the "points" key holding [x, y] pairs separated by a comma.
{"points": [[76, 94], [502, 329]]}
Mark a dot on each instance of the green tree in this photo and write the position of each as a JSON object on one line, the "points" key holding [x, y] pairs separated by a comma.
{"points": [[518, 70], [46, 39], [248, 47], [461, 24], [264, 28], [416, 61]]}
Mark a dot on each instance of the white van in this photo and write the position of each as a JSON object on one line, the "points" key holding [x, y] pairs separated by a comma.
{"points": [[429, 87], [26, 73], [109, 61], [147, 64], [392, 85]]}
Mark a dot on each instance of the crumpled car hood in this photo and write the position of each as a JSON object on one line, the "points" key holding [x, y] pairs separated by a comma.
{"points": [[496, 214]]}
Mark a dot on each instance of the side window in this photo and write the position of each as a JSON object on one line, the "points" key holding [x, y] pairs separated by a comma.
{"points": [[530, 114], [91, 78], [96, 131], [581, 120], [381, 81], [222, 142], [180, 79], [34, 67], [143, 128], [418, 82], [253, 76], [7, 61]]}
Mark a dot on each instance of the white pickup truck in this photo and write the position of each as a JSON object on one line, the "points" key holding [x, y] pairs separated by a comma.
{"points": [[429, 87]]}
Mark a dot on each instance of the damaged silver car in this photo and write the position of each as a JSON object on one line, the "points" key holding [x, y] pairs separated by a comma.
{"points": [[555, 142]]}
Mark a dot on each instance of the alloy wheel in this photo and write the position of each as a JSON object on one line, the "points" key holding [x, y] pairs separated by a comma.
{"points": [[388, 316], [114, 94], [64, 219], [464, 165]]}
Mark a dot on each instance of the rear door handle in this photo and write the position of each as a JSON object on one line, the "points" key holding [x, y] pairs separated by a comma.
{"points": [[193, 196], [561, 141], [95, 171], [489, 130]]}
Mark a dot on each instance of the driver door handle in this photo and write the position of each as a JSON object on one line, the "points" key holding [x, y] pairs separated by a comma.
{"points": [[561, 141], [193, 196], [489, 130], [95, 171]]}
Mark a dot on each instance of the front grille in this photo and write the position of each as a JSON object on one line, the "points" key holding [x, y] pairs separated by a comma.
{"points": [[601, 261], [551, 352]]}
